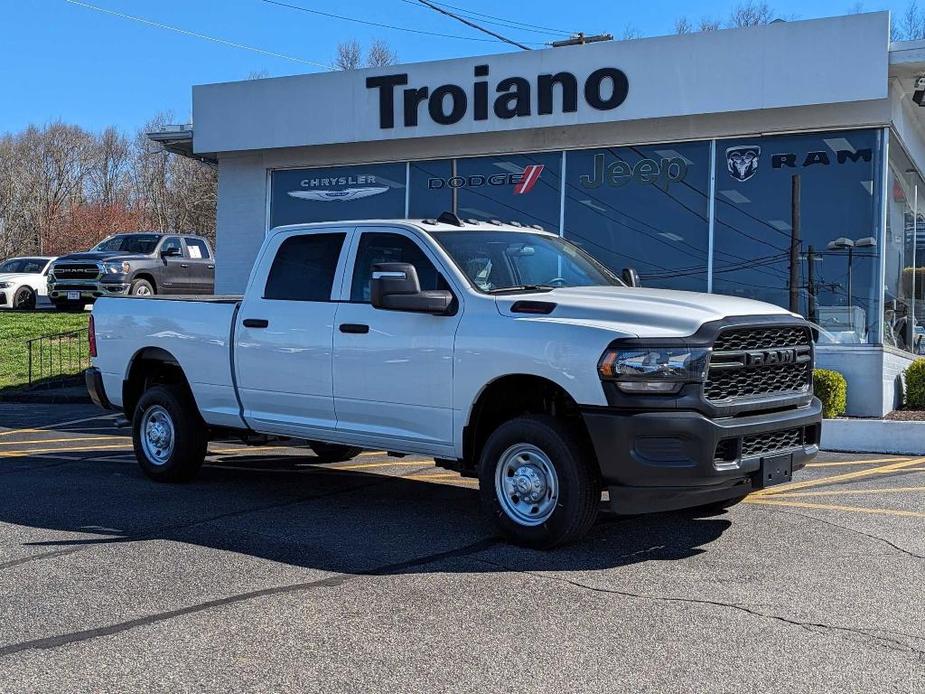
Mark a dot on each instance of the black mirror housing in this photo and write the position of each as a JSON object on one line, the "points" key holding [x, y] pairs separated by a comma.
{"points": [[395, 287], [631, 277], [171, 252]]}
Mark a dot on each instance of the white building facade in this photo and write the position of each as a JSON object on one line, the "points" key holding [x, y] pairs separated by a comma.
{"points": [[781, 163]]}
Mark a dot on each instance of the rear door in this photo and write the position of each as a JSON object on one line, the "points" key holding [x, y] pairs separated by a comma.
{"points": [[201, 277], [173, 275], [284, 332]]}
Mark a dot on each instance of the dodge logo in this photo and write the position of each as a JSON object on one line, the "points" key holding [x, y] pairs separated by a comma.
{"points": [[770, 357]]}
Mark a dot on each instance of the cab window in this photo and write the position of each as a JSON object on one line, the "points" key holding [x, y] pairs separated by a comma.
{"points": [[172, 242], [197, 249], [378, 247], [304, 268]]}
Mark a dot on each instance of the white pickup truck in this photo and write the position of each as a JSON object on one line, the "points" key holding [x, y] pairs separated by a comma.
{"points": [[505, 352]]}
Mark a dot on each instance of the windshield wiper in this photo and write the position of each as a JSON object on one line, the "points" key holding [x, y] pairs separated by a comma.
{"points": [[523, 288]]}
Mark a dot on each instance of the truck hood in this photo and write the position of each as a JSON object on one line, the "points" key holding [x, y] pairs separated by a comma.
{"points": [[17, 276], [93, 256], [638, 312]]}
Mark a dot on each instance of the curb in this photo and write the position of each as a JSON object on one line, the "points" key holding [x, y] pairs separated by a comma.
{"points": [[873, 436]]}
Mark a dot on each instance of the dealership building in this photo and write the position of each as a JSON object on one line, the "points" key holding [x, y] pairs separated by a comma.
{"points": [[781, 163]]}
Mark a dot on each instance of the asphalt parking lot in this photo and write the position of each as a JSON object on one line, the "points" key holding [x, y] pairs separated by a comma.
{"points": [[272, 573]]}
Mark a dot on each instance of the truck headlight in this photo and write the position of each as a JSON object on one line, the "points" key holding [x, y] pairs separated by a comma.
{"points": [[116, 268], [655, 369], [5, 285]]}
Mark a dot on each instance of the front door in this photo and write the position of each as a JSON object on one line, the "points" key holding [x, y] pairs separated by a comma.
{"points": [[393, 370], [283, 335], [173, 277]]}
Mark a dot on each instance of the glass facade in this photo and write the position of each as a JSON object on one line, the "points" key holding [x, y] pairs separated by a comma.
{"points": [[795, 220]]}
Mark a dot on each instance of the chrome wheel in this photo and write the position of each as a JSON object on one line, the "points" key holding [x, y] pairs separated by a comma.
{"points": [[526, 484], [142, 290], [157, 435]]}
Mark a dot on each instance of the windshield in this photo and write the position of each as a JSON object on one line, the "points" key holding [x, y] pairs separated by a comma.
{"points": [[130, 243], [33, 265], [497, 261]]}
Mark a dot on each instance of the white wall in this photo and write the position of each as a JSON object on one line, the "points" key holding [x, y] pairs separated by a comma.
{"points": [[872, 373], [241, 220]]}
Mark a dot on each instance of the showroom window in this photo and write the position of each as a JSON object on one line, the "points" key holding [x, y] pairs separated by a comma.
{"points": [[337, 193], [825, 184], [643, 207], [904, 262]]}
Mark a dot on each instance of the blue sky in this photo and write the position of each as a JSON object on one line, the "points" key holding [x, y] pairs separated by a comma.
{"points": [[62, 60]]}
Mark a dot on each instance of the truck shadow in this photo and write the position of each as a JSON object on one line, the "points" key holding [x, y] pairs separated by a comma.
{"points": [[311, 516]]}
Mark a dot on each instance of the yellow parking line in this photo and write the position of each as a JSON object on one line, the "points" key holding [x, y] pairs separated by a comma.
{"points": [[791, 486], [34, 451], [366, 466], [842, 492], [833, 507], [858, 462], [19, 431], [78, 438]]}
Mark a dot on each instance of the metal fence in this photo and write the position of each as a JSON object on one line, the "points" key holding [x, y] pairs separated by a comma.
{"points": [[54, 357]]}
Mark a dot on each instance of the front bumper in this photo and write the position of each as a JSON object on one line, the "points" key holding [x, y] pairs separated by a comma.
{"points": [[89, 291], [94, 380], [659, 461]]}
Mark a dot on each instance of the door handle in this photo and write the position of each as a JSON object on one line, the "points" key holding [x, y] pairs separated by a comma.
{"points": [[354, 328], [184, 265], [211, 267], [256, 323]]}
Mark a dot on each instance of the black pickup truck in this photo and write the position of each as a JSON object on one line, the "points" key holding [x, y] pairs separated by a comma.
{"points": [[137, 263]]}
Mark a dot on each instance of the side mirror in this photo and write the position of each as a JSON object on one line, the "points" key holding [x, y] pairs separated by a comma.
{"points": [[631, 277], [171, 252], [395, 287]]}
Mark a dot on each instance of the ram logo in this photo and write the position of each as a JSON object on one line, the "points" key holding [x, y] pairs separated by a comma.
{"points": [[742, 161], [770, 357]]}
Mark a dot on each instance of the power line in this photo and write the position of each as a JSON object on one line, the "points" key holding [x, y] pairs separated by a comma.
{"points": [[379, 24], [497, 21], [197, 35], [475, 26], [502, 19]]}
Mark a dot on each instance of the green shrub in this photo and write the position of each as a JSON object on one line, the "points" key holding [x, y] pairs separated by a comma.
{"points": [[915, 385], [832, 389]]}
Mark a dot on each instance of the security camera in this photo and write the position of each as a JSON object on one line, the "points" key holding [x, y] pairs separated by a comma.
{"points": [[918, 96]]}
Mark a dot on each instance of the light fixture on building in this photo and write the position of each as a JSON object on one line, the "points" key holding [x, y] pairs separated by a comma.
{"points": [[918, 95], [845, 244]]}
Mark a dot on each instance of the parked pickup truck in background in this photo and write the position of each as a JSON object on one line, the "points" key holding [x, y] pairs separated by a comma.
{"points": [[506, 353], [140, 264]]}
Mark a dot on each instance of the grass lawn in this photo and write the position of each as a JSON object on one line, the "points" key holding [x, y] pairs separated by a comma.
{"points": [[17, 327]]}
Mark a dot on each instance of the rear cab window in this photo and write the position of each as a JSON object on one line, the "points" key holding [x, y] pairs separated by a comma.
{"points": [[197, 249], [304, 267]]}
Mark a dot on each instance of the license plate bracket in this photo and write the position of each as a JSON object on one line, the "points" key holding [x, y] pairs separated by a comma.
{"points": [[73, 296], [775, 469]]}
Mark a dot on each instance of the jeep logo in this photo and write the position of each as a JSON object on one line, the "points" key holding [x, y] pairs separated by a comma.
{"points": [[770, 357]]}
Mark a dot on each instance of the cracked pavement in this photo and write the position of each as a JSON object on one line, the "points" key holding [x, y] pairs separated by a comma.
{"points": [[271, 573]]}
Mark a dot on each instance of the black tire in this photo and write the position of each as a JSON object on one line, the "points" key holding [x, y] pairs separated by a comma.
{"points": [[579, 487], [141, 288], [24, 299], [190, 435], [718, 507], [333, 452]]}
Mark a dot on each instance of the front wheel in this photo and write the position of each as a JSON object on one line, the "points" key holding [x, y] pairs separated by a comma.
{"points": [[538, 483], [141, 288], [169, 436], [24, 299]]}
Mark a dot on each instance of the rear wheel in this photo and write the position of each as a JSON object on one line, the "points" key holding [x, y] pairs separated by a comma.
{"points": [[24, 298], [538, 483], [168, 435], [142, 288], [334, 452]]}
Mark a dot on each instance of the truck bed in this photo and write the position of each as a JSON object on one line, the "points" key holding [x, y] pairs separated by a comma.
{"points": [[194, 330]]}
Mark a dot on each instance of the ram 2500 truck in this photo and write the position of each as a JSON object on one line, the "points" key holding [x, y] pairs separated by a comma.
{"points": [[506, 353]]}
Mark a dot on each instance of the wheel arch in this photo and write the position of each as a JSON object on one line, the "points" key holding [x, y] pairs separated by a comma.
{"points": [[150, 365], [144, 275], [512, 395]]}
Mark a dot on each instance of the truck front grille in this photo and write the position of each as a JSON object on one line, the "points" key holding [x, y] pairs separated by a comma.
{"points": [[76, 271], [771, 441], [759, 363]]}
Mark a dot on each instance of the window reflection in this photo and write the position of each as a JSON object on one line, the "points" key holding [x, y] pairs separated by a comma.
{"points": [[824, 184]]}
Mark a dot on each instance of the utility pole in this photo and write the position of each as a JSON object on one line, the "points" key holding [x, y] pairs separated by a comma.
{"points": [[795, 243], [811, 284]]}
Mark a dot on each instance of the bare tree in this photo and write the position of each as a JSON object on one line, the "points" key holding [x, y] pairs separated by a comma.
{"points": [[682, 26], [911, 24], [380, 54], [751, 13], [348, 55], [258, 74], [630, 32], [708, 24]]}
